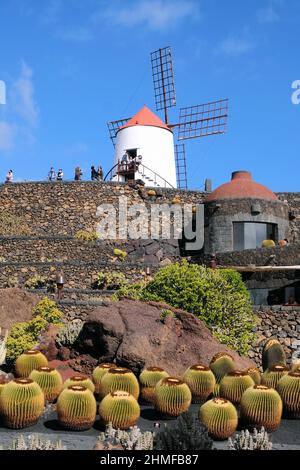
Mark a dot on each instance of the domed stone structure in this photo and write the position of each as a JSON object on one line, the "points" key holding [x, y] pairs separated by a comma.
{"points": [[241, 214]]}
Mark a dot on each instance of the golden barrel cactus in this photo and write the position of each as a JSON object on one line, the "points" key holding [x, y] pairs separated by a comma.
{"points": [[172, 396], [220, 417], [99, 372], [80, 380], [76, 408], [288, 388], [119, 378], [261, 406], [119, 408], [28, 361], [201, 381], [148, 378], [49, 380], [234, 384]]}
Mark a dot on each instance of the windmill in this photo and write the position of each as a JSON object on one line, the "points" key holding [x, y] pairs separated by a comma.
{"points": [[194, 122]]}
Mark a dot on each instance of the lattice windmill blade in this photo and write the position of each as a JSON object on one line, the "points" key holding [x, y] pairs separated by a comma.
{"points": [[114, 126], [163, 80], [203, 120], [181, 173]]}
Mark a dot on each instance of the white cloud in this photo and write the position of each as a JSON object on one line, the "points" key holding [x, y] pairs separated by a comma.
{"points": [[7, 133], [154, 14], [23, 96], [235, 46]]}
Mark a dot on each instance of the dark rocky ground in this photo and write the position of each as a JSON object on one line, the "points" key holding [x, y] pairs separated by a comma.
{"points": [[287, 437]]}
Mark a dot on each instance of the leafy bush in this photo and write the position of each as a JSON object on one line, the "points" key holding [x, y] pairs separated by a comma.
{"points": [[109, 280], [87, 236], [36, 282], [187, 434], [218, 297], [24, 335], [120, 254]]}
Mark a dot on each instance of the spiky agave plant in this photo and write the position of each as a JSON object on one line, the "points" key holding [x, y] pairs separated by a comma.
{"points": [[80, 380], [172, 397], [49, 380], [254, 374], [221, 364], [28, 361], [76, 408], [288, 388], [149, 377], [234, 384], [119, 378], [220, 417], [272, 354], [119, 408], [272, 375], [201, 382], [21, 403], [99, 372], [261, 406]]}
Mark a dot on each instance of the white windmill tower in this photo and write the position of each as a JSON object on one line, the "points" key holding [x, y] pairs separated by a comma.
{"points": [[144, 144]]}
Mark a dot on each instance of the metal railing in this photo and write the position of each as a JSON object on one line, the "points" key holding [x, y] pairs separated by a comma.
{"points": [[131, 168]]}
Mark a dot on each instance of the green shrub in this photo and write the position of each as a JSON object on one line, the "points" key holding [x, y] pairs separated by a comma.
{"points": [[218, 297], [87, 236], [36, 282], [110, 280], [120, 254], [47, 309], [165, 313]]}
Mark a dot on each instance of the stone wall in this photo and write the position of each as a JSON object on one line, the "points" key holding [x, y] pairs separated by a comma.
{"points": [[282, 323], [293, 200]]}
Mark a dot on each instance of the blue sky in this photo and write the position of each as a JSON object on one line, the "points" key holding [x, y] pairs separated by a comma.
{"points": [[72, 65]]}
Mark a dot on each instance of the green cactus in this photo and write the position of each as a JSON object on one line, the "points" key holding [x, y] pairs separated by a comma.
{"points": [[79, 380], [261, 406], [149, 377], [21, 403], [221, 364], [272, 354], [172, 397], [220, 417], [271, 376], [3, 382], [28, 361], [99, 372], [49, 380], [288, 388], [76, 408], [119, 408], [254, 374], [234, 384], [119, 378], [201, 381]]}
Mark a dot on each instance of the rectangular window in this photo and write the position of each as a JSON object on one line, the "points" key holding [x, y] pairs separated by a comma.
{"points": [[247, 235]]}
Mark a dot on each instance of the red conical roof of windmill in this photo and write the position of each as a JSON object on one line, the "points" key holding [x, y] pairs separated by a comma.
{"points": [[145, 117]]}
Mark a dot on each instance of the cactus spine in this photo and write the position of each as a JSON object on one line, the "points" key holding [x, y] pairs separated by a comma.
{"points": [[271, 376], [288, 388], [119, 408], [149, 377], [80, 380], [201, 381], [261, 406], [172, 396], [76, 408], [220, 417], [119, 378], [273, 354], [99, 372], [28, 361], [221, 364], [254, 374], [21, 403], [234, 384], [49, 380]]}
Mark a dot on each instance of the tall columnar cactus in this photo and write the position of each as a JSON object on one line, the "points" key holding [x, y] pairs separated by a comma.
{"points": [[254, 374], [21, 403], [220, 417], [119, 408], [149, 377], [119, 378], [234, 384], [261, 406], [76, 408], [201, 381], [79, 380], [99, 372], [221, 364], [273, 354], [272, 375], [172, 396], [288, 388], [49, 380], [28, 361]]}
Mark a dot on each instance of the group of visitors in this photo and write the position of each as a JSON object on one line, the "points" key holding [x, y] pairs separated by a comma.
{"points": [[96, 175], [53, 176]]}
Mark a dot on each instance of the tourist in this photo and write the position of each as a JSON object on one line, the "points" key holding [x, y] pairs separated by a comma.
{"points": [[100, 173], [51, 174], [94, 174], [9, 177], [60, 175], [78, 173]]}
